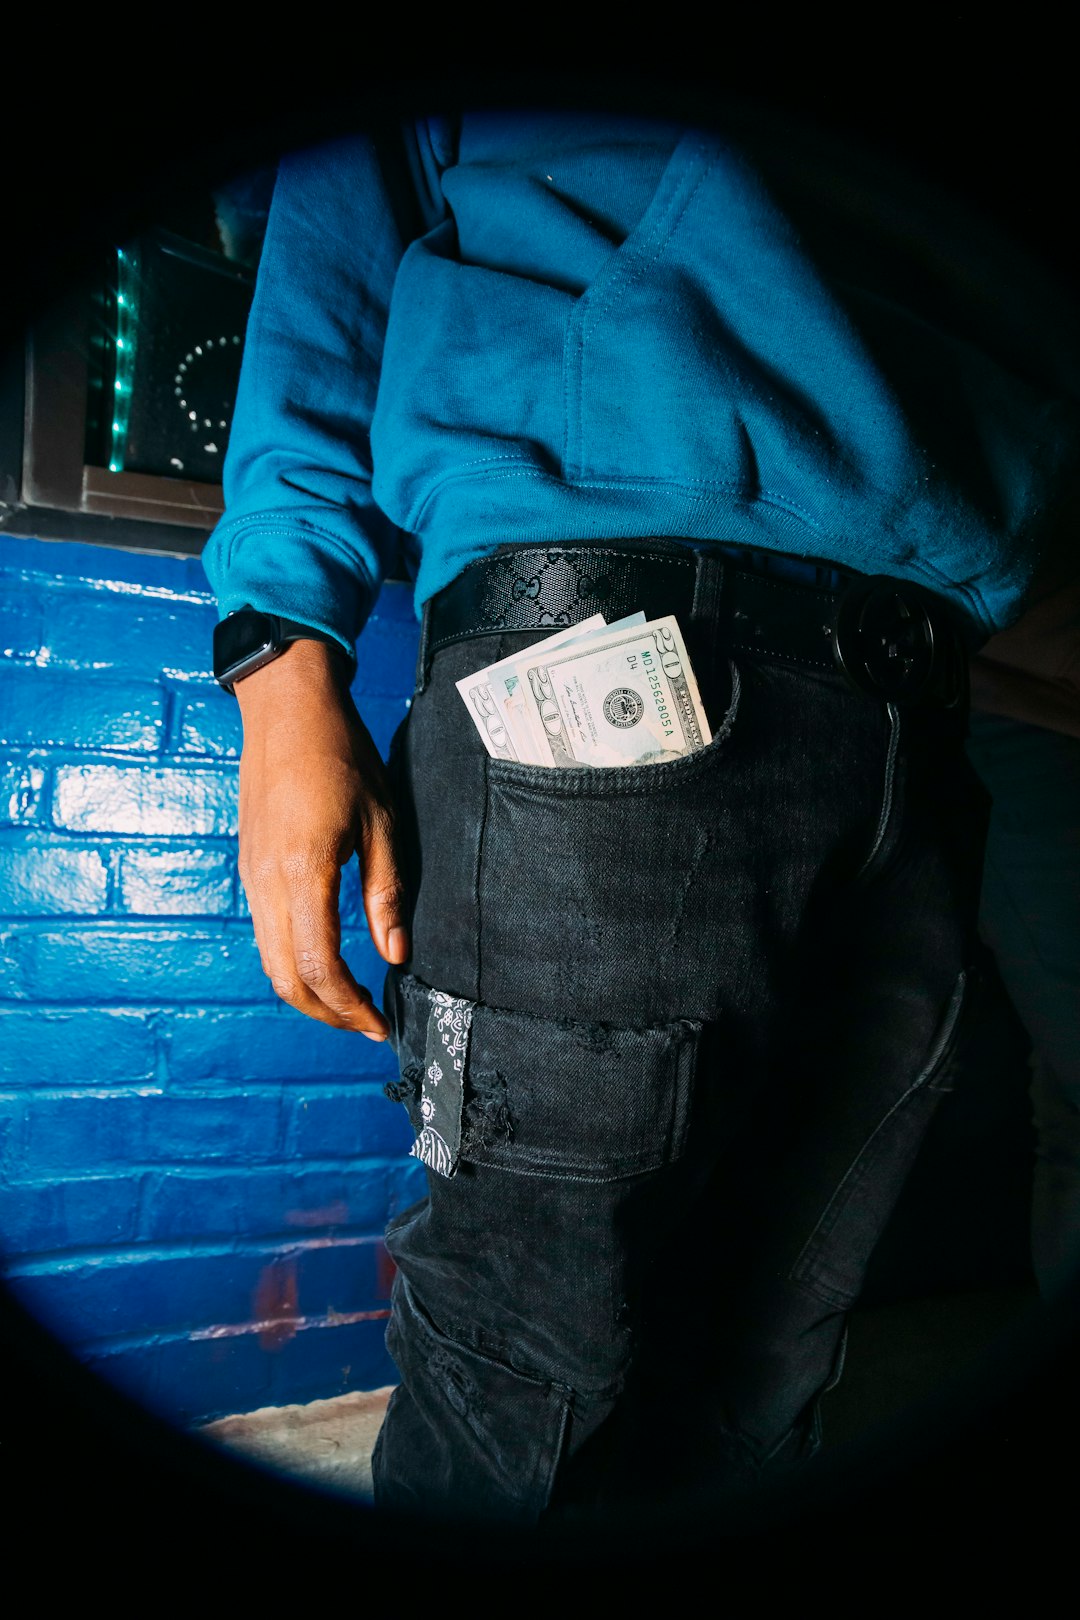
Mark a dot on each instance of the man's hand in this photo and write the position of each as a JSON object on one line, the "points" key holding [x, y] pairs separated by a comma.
{"points": [[313, 793]]}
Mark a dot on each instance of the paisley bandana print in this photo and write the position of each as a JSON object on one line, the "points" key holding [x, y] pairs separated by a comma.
{"points": [[445, 1055]]}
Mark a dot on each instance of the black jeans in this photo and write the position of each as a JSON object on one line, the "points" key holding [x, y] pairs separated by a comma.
{"points": [[703, 1013]]}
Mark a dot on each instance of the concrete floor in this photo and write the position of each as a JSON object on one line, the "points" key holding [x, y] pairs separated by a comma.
{"points": [[898, 1355], [327, 1443]]}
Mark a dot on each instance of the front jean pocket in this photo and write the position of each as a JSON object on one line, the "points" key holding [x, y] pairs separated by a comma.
{"points": [[560, 1098], [609, 893]]}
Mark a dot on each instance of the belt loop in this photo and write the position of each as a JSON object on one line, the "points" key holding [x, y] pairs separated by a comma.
{"points": [[423, 660], [703, 634]]}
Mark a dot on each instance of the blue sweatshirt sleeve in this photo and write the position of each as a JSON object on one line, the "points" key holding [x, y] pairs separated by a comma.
{"points": [[301, 535]]}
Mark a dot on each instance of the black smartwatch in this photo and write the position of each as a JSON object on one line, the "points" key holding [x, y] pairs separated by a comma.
{"points": [[245, 640]]}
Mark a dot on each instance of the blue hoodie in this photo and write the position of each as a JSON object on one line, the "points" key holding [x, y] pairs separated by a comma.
{"points": [[552, 327]]}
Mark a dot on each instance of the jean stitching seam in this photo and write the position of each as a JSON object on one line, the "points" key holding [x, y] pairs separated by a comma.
{"points": [[477, 908], [885, 815], [865, 1159], [411, 985], [626, 781]]}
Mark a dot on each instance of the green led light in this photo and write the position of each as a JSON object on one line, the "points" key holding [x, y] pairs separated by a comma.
{"points": [[126, 337]]}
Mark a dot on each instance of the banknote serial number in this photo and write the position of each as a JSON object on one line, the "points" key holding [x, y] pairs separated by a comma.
{"points": [[656, 686]]}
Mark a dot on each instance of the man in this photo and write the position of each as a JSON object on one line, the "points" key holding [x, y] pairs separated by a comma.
{"points": [[692, 1018]]}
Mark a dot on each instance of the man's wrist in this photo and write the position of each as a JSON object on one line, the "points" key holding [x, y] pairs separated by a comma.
{"points": [[246, 640], [302, 669]]}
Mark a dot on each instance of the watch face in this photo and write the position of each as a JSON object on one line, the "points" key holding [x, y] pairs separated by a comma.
{"points": [[239, 638]]}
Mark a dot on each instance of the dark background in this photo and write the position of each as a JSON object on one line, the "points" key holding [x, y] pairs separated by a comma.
{"points": [[90, 154]]}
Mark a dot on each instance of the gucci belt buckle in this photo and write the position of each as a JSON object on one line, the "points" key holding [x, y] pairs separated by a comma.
{"points": [[891, 639]]}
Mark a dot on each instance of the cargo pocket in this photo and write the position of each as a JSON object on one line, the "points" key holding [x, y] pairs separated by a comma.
{"points": [[536, 1096], [833, 1262], [479, 1436]]}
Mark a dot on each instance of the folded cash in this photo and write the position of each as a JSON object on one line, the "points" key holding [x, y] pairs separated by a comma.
{"points": [[489, 694], [597, 694]]}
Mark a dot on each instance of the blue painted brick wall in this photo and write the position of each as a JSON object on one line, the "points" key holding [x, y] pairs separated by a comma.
{"points": [[193, 1177]]}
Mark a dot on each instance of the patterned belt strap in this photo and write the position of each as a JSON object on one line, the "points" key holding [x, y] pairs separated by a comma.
{"points": [[534, 587], [891, 638]]}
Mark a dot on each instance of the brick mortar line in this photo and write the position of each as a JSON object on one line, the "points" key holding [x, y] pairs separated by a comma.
{"points": [[102, 1349], [46, 1263], [211, 928], [265, 1003], [30, 835], [224, 1167], [53, 1262], [113, 911], [200, 1090], [142, 759]]}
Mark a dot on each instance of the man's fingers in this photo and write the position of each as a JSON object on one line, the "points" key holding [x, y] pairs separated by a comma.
{"points": [[383, 890], [339, 999], [299, 939], [318, 964]]}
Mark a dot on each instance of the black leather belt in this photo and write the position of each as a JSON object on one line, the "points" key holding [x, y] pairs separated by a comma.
{"points": [[890, 637]]}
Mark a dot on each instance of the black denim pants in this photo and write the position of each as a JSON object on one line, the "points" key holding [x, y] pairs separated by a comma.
{"points": [[690, 1022]]}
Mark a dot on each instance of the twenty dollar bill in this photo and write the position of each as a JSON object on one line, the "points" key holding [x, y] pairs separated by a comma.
{"points": [[616, 697]]}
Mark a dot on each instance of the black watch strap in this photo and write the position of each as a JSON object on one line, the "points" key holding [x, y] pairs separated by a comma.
{"points": [[246, 639]]}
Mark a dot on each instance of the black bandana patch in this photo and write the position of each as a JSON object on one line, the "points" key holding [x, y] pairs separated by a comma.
{"points": [[446, 1052]]}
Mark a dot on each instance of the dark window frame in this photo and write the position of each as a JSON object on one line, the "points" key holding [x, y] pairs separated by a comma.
{"points": [[50, 490]]}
